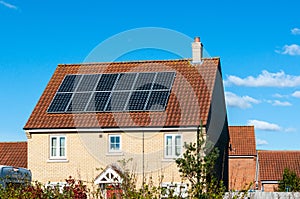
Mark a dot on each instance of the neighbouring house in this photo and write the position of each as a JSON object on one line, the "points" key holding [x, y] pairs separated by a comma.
{"points": [[272, 165], [242, 158], [13, 154], [93, 115]]}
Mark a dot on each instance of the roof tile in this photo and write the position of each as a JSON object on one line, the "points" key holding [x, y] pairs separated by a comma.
{"points": [[242, 141], [13, 154], [273, 163]]}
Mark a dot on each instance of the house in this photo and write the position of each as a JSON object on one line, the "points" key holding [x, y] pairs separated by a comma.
{"points": [[256, 169], [272, 165], [93, 115], [13, 154], [242, 158]]}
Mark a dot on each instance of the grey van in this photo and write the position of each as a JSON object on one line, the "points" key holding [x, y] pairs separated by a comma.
{"points": [[14, 176]]}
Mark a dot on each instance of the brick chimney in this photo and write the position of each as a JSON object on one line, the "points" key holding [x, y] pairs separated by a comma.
{"points": [[197, 51]]}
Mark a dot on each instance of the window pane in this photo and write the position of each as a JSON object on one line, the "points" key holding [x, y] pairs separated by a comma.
{"points": [[177, 145], [169, 140], [62, 146], [112, 140], [53, 146], [168, 145], [169, 151]]}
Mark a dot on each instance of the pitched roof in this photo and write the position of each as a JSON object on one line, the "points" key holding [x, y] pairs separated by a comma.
{"points": [[273, 163], [13, 154], [242, 141], [189, 101]]}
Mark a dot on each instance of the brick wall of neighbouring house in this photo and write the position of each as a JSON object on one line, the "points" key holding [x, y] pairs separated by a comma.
{"points": [[88, 151], [270, 187], [241, 172]]}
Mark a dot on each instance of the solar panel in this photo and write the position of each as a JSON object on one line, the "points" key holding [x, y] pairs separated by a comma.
{"points": [[88, 83], [157, 100], [70, 83], [144, 81], [117, 101], [138, 100], [106, 82], [60, 102], [125, 81], [148, 91], [79, 102], [98, 101], [163, 80]]}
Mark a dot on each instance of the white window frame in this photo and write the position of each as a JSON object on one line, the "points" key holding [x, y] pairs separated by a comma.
{"points": [[57, 156], [173, 146], [110, 150]]}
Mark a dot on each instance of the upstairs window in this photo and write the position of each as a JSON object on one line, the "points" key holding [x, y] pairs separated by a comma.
{"points": [[58, 147], [173, 145], [114, 143]]}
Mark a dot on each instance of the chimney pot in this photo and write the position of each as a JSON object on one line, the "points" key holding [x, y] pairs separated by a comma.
{"points": [[197, 39]]}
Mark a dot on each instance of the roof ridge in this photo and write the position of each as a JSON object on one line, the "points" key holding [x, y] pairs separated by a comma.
{"points": [[276, 151], [240, 125], [136, 61]]}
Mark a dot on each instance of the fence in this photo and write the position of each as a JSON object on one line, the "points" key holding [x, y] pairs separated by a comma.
{"points": [[264, 195]]}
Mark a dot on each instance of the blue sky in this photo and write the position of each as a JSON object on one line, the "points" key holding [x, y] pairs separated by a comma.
{"points": [[257, 41]]}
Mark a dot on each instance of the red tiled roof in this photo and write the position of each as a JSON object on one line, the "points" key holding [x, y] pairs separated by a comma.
{"points": [[13, 154], [242, 141], [189, 101], [273, 163]]}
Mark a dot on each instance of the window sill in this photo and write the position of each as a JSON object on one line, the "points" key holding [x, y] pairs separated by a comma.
{"points": [[57, 160], [114, 154], [169, 159]]}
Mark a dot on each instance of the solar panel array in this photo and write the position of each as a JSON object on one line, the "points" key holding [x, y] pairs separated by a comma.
{"points": [[113, 92]]}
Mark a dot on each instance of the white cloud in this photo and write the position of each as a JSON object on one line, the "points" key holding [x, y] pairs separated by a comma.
{"points": [[292, 50], [277, 95], [243, 102], [290, 130], [295, 31], [279, 103], [8, 5], [261, 142], [265, 79], [262, 125], [296, 94]]}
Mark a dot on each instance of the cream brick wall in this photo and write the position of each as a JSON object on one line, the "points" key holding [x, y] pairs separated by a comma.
{"points": [[87, 151]]}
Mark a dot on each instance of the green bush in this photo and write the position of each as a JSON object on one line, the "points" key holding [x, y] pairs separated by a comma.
{"points": [[75, 189]]}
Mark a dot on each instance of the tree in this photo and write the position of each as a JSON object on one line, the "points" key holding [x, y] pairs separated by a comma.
{"points": [[290, 181], [198, 166]]}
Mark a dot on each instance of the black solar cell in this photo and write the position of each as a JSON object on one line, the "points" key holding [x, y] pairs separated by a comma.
{"points": [[117, 101], [125, 81], [137, 100], [60, 102], [144, 81], [98, 101], [79, 102], [88, 83], [157, 100], [163, 80], [106, 82], [70, 83]]}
